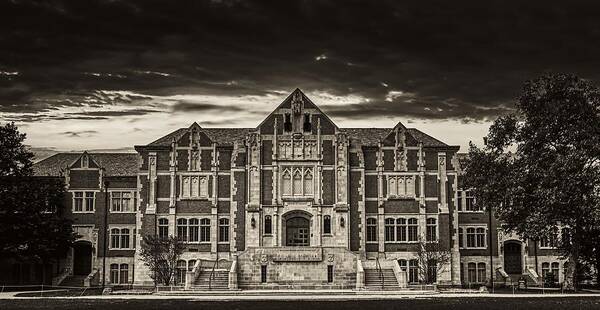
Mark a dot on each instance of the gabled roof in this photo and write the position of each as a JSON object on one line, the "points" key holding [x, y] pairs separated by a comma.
{"points": [[372, 136], [114, 164], [222, 136]]}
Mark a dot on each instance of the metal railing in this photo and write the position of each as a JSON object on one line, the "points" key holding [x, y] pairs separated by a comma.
{"points": [[380, 272]]}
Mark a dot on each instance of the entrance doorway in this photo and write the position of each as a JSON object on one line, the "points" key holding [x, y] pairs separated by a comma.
{"points": [[297, 231], [513, 257], [82, 258]]}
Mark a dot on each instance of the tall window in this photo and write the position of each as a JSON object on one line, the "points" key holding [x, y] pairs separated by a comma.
{"points": [[413, 271], [459, 200], [470, 204], [432, 271], [119, 238], [371, 229], [461, 238], [326, 224], [194, 187], [163, 228], [194, 160], [182, 231], [389, 229], [401, 186], [263, 274], [180, 272], [119, 274], [193, 230], [545, 270], [204, 230], [476, 272], [287, 122], [431, 230], [224, 230], [83, 201], [297, 181], [268, 225], [555, 270], [413, 230], [401, 229], [329, 273], [122, 201]]}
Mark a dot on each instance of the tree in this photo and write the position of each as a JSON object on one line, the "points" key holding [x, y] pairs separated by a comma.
{"points": [[539, 170], [432, 259], [161, 256], [32, 226], [15, 158]]}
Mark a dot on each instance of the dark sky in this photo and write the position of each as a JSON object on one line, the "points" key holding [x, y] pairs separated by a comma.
{"points": [[90, 70]]}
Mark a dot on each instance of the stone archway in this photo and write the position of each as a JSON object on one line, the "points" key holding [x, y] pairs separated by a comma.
{"points": [[513, 257], [82, 258], [297, 228]]}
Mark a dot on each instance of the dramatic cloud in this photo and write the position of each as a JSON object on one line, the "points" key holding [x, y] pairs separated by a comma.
{"points": [[111, 63]]}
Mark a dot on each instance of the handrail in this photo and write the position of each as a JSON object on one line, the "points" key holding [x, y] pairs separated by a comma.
{"points": [[212, 273], [380, 273]]}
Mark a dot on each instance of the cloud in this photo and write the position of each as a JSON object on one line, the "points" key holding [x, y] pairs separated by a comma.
{"points": [[83, 133], [184, 106]]}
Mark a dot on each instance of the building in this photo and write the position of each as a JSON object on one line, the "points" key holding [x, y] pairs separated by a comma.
{"points": [[295, 202]]}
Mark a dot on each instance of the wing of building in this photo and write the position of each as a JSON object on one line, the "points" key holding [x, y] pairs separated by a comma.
{"points": [[295, 202]]}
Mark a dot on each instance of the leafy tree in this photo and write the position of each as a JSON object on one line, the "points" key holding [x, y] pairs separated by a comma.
{"points": [[540, 168], [32, 226], [15, 158], [432, 259], [161, 256]]}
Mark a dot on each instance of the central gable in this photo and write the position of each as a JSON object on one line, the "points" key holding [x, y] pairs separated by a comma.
{"points": [[297, 114]]}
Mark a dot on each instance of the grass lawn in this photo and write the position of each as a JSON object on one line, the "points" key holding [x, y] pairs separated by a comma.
{"points": [[550, 303]]}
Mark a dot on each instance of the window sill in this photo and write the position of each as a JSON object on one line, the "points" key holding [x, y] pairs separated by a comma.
{"points": [[84, 212], [479, 248], [123, 212], [548, 248], [121, 249], [400, 198], [402, 242], [372, 242], [194, 198], [464, 211]]}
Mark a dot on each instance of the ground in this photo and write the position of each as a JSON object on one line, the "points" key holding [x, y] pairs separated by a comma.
{"points": [[465, 303]]}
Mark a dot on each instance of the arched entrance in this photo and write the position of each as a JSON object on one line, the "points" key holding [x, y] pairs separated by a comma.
{"points": [[82, 258], [513, 257], [297, 230]]}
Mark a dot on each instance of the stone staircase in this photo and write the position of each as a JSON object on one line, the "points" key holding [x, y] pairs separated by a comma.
{"points": [[387, 281], [220, 280], [73, 281]]}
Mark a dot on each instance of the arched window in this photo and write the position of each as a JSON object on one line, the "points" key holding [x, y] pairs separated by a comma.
{"points": [[481, 278], [268, 225], [472, 272], [308, 182], [371, 229], [480, 237], [326, 224], [413, 271], [193, 228], [163, 228], [114, 273], [191, 263], [286, 183], [182, 233], [115, 238], [401, 230], [124, 274], [403, 264], [555, 270], [180, 272], [389, 229], [392, 188], [413, 230], [431, 230], [224, 230], [545, 270], [297, 183], [205, 230]]}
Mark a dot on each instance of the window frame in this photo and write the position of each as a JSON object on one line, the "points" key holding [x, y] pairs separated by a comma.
{"points": [[327, 229], [464, 240], [161, 226], [224, 228], [371, 224], [120, 235], [84, 198], [132, 200], [189, 191], [294, 180]]}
